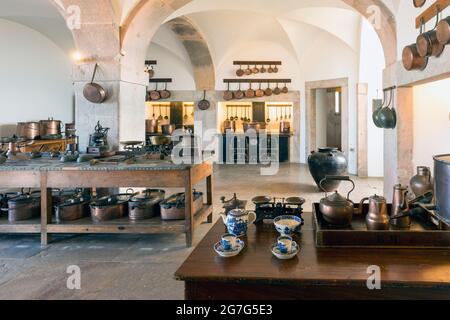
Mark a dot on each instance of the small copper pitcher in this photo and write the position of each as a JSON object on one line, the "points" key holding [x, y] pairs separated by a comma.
{"points": [[399, 207]]}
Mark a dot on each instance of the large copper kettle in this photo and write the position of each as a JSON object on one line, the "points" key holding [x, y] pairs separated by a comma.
{"points": [[336, 209]]}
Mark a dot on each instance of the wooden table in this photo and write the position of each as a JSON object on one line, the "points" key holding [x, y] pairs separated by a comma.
{"points": [[50, 174], [314, 274]]}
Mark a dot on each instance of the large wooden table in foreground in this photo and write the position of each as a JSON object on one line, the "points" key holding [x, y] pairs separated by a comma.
{"points": [[50, 174], [314, 274]]}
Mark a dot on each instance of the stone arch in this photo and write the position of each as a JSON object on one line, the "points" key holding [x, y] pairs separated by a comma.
{"points": [[146, 17], [197, 48]]}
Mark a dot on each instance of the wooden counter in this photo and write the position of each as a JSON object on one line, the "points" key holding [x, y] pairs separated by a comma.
{"points": [[314, 274], [48, 174]]}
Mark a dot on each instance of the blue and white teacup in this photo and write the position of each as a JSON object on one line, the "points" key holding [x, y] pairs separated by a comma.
{"points": [[229, 241], [285, 244]]}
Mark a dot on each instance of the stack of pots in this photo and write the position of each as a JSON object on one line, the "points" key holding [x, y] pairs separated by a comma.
{"points": [[428, 44]]}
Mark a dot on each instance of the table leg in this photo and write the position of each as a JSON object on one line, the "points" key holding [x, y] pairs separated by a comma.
{"points": [[209, 198], [188, 210], [46, 209]]}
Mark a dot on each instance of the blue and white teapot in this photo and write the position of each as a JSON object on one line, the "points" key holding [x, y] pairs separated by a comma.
{"points": [[238, 220]]}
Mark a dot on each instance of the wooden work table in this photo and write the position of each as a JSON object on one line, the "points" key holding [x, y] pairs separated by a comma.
{"points": [[48, 174], [314, 274]]}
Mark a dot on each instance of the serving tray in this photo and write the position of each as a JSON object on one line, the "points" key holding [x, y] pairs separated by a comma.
{"points": [[423, 233]]}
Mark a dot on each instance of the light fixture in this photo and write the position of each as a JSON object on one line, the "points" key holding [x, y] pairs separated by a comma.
{"points": [[77, 56]]}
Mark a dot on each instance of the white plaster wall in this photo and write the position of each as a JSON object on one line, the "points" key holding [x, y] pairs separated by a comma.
{"points": [[431, 122], [321, 117], [372, 63], [35, 78]]}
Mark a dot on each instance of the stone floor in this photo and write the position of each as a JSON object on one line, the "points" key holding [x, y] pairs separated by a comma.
{"points": [[138, 267]]}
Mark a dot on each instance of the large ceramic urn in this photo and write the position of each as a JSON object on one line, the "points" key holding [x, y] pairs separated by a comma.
{"points": [[327, 162]]}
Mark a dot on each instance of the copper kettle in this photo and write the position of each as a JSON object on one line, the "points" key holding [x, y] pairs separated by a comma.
{"points": [[336, 209]]}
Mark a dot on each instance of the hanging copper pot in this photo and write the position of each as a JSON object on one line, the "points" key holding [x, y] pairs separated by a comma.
{"points": [[154, 94], [239, 94], [428, 44], [268, 92], [412, 60], [250, 93], [277, 90], [228, 95], [285, 89], [165, 94], [255, 70], [248, 71], [260, 92], [240, 72], [443, 31], [419, 3]]}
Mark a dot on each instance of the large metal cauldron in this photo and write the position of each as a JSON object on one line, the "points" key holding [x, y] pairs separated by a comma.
{"points": [[442, 186]]}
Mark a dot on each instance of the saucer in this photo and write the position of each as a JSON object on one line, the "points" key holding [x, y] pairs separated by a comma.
{"points": [[285, 256], [229, 253]]}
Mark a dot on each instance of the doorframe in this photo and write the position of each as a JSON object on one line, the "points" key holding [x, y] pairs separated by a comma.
{"points": [[311, 107]]}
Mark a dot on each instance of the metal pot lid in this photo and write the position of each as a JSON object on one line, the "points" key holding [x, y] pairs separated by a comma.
{"points": [[238, 213], [378, 199], [74, 201], [335, 200]]}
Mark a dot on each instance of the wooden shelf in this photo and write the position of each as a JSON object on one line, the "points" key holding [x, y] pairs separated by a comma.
{"points": [[126, 226], [27, 226], [431, 12]]}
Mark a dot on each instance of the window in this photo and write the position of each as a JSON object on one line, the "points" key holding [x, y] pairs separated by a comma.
{"points": [[337, 102]]}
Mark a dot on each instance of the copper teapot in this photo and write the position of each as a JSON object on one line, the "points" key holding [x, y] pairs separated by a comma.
{"points": [[336, 209], [377, 218]]}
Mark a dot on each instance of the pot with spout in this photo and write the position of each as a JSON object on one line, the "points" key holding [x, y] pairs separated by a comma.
{"points": [[336, 209], [399, 207], [238, 220], [377, 218]]}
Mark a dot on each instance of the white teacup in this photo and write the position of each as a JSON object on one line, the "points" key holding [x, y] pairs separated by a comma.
{"points": [[285, 244], [229, 241]]}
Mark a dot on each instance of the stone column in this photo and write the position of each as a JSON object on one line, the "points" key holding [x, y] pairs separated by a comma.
{"points": [[362, 105], [399, 142]]}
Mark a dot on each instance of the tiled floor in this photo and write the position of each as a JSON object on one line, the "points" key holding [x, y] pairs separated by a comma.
{"points": [[138, 267]]}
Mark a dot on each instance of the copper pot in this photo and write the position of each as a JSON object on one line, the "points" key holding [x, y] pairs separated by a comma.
{"points": [[228, 95], [428, 44], [268, 92], [29, 130], [260, 92], [412, 60], [419, 3], [250, 93], [239, 94], [151, 126], [50, 127], [443, 31], [168, 129]]}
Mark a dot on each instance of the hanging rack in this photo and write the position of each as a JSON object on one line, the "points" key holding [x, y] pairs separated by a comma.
{"points": [[430, 13]]}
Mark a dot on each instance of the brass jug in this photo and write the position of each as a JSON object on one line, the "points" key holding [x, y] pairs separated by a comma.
{"points": [[399, 207], [377, 218]]}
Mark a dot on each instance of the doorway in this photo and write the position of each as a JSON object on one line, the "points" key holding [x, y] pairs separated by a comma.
{"points": [[329, 117]]}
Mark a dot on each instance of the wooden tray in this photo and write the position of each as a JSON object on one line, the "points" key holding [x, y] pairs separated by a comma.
{"points": [[422, 234]]}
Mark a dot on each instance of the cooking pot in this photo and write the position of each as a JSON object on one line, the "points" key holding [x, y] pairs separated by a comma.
{"points": [[23, 207], [73, 208], [336, 209], [29, 130], [443, 31], [165, 94], [412, 59], [250, 93], [93, 92], [428, 44], [442, 186], [151, 126], [168, 129], [146, 205], [110, 207], [228, 95], [160, 140], [50, 128]]}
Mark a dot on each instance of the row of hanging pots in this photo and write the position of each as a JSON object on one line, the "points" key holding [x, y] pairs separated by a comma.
{"points": [[255, 70], [385, 115], [156, 95], [250, 93], [428, 44]]}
